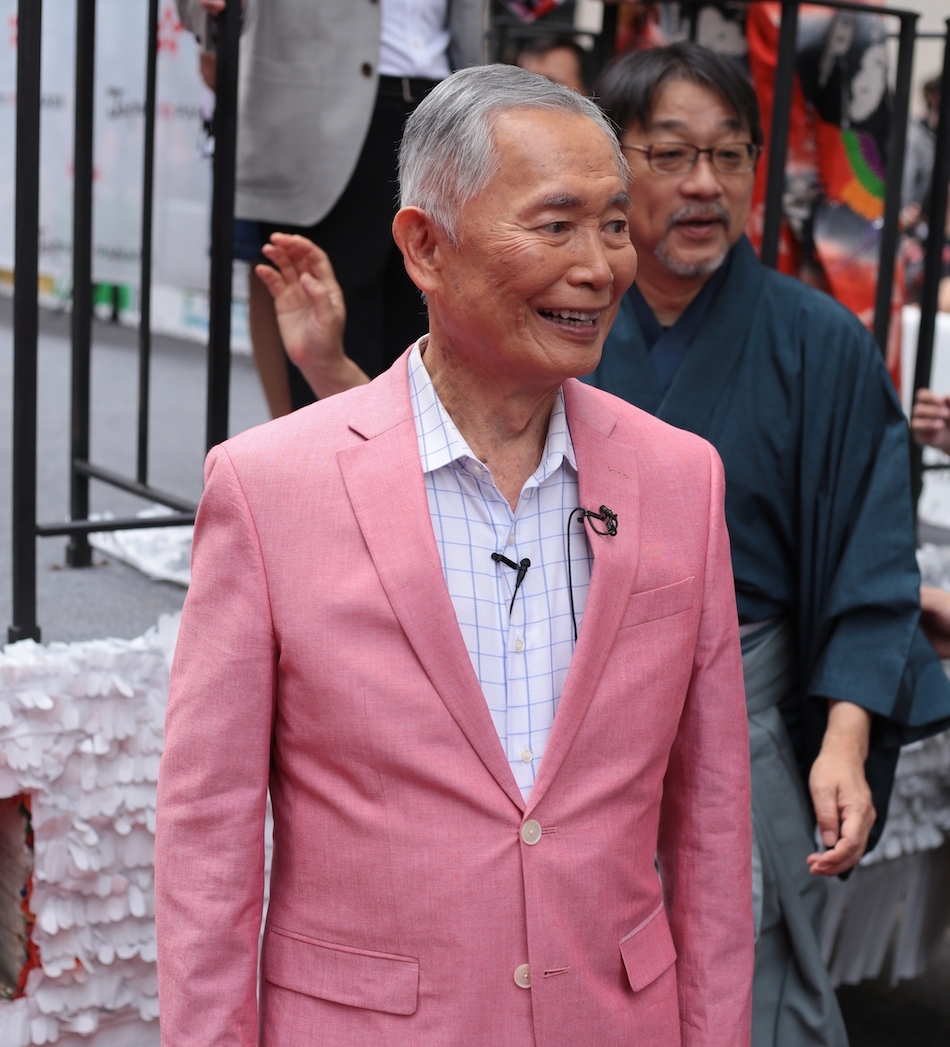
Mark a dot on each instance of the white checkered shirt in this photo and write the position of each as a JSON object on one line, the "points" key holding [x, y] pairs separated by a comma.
{"points": [[521, 661]]}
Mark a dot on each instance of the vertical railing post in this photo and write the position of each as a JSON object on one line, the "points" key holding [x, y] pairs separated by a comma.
{"points": [[145, 271], [78, 550], [933, 256], [26, 318], [222, 223], [778, 132], [605, 44], [896, 143]]}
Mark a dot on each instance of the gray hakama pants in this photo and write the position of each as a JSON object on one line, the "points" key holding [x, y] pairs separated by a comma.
{"points": [[793, 1001]]}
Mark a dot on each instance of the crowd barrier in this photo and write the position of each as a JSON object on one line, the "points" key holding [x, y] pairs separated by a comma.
{"points": [[27, 528]]}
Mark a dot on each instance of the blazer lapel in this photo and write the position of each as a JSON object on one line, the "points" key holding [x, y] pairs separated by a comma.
{"points": [[386, 488], [606, 475]]}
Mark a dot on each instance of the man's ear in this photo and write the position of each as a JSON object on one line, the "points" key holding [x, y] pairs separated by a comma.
{"points": [[422, 244]]}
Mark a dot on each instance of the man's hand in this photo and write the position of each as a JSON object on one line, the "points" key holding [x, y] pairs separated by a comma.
{"points": [[930, 420], [935, 618], [213, 7], [310, 313], [840, 791]]}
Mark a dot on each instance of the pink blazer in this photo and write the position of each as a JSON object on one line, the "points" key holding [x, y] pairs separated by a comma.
{"points": [[319, 656]]}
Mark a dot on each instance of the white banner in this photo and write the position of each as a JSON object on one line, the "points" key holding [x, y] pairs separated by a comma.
{"points": [[182, 175]]}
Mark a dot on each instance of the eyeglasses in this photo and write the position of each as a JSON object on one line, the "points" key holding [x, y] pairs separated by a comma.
{"points": [[675, 158]]}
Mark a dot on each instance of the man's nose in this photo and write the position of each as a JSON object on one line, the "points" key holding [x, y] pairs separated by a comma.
{"points": [[590, 261], [703, 179]]}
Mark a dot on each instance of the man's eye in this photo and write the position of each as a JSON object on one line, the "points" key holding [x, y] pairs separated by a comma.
{"points": [[555, 227], [618, 226], [667, 153], [730, 158]]}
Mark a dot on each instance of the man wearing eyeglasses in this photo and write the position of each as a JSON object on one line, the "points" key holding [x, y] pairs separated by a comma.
{"points": [[792, 391]]}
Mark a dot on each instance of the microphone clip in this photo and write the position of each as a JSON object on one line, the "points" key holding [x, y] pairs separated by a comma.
{"points": [[606, 516], [521, 568]]}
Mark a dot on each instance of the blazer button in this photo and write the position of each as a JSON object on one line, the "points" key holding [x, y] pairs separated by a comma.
{"points": [[366, 69], [530, 834], [523, 976]]}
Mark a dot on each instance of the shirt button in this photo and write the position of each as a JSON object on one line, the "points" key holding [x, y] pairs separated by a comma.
{"points": [[366, 69], [519, 645], [523, 976], [511, 538], [531, 832], [527, 755]]}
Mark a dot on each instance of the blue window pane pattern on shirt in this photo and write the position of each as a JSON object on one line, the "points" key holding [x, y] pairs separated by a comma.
{"points": [[521, 660]]}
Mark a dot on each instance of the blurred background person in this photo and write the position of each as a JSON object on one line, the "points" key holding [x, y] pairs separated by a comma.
{"points": [[559, 58], [833, 202], [917, 198], [325, 90], [921, 143]]}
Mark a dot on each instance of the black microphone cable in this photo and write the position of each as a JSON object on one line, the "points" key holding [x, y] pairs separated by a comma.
{"points": [[609, 519]]}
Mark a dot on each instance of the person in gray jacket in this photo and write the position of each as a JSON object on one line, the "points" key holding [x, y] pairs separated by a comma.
{"points": [[324, 92]]}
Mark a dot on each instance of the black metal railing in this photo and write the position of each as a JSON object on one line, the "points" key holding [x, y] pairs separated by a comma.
{"points": [[933, 255], [26, 528]]}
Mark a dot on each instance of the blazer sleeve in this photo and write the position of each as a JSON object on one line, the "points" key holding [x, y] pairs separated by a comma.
{"points": [[212, 790], [194, 18], [468, 29], [704, 846]]}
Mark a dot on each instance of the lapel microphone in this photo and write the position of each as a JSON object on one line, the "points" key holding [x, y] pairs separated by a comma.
{"points": [[606, 516], [609, 519], [521, 568]]}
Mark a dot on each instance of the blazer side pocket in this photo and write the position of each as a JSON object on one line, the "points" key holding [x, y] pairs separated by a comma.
{"points": [[375, 981], [648, 950], [664, 602]]}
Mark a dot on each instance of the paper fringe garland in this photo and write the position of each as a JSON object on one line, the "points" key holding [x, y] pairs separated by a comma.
{"points": [[81, 732]]}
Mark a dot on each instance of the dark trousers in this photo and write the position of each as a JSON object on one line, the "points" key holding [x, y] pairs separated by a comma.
{"points": [[384, 309]]}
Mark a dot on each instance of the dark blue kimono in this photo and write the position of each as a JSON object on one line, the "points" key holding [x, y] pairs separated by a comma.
{"points": [[792, 391]]}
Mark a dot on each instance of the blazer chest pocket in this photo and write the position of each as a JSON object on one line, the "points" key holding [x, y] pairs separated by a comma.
{"points": [[375, 981], [653, 604], [648, 950]]}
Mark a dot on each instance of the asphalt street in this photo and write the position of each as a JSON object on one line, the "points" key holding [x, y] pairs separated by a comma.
{"points": [[111, 599]]}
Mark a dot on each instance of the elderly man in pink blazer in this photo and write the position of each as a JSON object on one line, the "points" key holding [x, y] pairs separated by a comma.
{"points": [[473, 625]]}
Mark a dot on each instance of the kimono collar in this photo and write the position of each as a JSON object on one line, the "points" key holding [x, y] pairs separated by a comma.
{"points": [[667, 345]]}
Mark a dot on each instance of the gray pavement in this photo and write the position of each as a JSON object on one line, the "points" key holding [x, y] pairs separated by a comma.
{"points": [[111, 599]]}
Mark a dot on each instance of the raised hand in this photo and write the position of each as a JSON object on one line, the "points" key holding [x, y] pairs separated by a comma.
{"points": [[310, 312]]}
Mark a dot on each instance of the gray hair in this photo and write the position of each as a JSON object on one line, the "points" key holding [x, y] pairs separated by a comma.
{"points": [[448, 152]]}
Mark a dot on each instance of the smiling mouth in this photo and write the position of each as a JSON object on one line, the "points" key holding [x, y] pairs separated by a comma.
{"points": [[570, 317]]}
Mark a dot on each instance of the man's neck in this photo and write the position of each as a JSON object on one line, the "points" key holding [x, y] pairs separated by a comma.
{"points": [[667, 294], [506, 427]]}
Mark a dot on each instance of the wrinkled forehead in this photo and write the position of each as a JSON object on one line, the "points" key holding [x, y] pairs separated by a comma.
{"points": [[519, 132]]}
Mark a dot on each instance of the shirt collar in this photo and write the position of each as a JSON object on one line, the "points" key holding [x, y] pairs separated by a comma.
{"points": [[440, 442]]}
